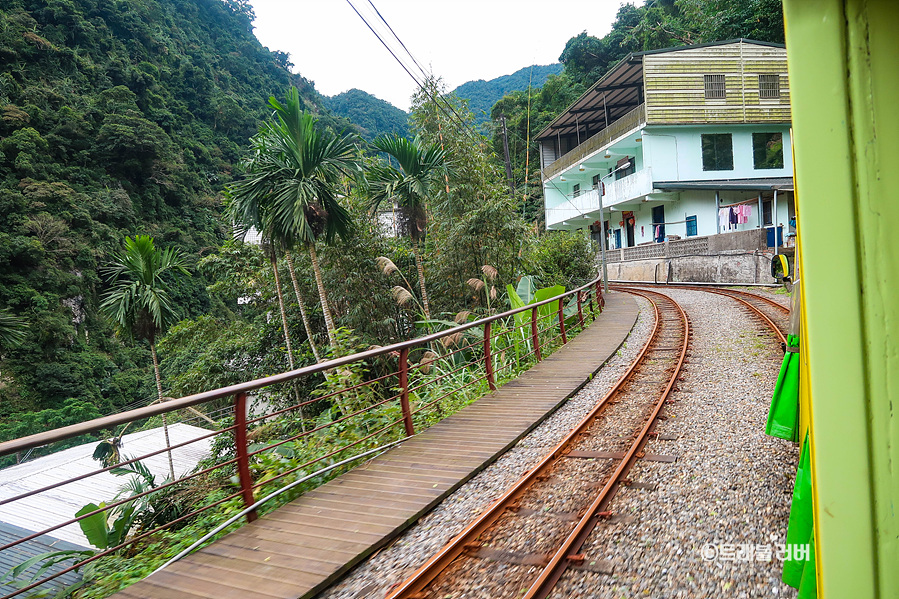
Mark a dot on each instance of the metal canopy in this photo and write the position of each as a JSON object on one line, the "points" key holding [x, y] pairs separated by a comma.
{"points": [[607, 100], [760, 184]]}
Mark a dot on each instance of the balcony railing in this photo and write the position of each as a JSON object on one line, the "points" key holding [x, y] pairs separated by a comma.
{"points": [[585, 207], [633, 119]]}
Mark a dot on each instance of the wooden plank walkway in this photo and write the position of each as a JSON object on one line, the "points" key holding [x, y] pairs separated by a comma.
{"points": [[302, 547]]}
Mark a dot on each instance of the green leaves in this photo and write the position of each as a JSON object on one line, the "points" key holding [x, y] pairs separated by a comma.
{"points": [[420, 167], [12, 329], [139, 303], [94, 527], [290, 191]]}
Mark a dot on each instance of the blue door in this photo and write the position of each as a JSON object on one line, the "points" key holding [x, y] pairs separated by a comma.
{"points": [[780, 236]]}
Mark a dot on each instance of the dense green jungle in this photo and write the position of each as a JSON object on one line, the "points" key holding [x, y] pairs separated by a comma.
{"points": [[132, 118]]}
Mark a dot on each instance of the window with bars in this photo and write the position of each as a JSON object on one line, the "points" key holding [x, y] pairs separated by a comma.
{"points": [[714, 87], [769, 86], [576, 190]]}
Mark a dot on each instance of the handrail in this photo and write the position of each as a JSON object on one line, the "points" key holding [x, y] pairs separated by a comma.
{"points": [[479, 357], [105, 422]]}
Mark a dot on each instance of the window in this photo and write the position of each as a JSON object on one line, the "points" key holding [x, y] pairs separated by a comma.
{"points": [[767, 218], [595, 181], [769, 86], [714, 87], [630, 169], [576, 189], [717, 152], [767, 150], [691, 226]]}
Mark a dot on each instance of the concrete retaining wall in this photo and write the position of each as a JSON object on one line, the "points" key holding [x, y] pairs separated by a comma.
{"points": [[728, 266]]}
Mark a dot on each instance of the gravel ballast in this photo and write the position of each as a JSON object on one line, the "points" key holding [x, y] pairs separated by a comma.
{"points": [[730, 483]]}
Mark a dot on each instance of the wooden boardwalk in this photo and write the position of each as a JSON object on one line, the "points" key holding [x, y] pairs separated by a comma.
{"points": [[302, 547]]}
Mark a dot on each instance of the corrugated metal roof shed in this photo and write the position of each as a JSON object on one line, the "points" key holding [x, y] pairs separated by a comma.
{"points": [[58, 505], [12, 557]]}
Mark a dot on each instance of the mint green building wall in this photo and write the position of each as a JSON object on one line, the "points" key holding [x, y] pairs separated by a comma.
{"points": [[844, 73]]}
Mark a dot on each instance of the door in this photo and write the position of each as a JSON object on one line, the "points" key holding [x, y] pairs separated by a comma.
{"points": [[658, 223], [629, 228], [617, 238]]}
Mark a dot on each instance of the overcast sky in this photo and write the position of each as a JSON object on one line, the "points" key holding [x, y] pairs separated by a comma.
{"points": [[460, 40]]}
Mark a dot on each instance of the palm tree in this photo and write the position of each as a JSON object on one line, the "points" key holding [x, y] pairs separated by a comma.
{"points": [[12, 329], [291, 183], [139, 302], [421, 166]]}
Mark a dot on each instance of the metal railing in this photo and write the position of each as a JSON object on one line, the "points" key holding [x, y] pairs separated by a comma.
{"points": [[633, 119], [384, 406]]}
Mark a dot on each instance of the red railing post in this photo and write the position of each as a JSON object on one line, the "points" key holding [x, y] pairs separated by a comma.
{"points": [[488, 358], [243, 461], [404, 391], [580, 310], [562, 323], [534, 337], [599, 298]]}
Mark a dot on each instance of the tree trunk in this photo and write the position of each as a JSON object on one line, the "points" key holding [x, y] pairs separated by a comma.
{"points": [[165, 424], [302, 304], [290, 362], [421, 281], [322, 294]]}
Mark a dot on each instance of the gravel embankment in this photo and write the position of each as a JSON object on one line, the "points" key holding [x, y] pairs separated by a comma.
{"points": [[374, 577], [731, 484]]}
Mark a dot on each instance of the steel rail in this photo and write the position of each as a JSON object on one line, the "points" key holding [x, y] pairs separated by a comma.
{"points": [[422, 577], [562, 558], [740, 297]]}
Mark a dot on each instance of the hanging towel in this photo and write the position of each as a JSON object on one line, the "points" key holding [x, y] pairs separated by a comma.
{"points": [[722, 218], [747, 212], [783, 415]]}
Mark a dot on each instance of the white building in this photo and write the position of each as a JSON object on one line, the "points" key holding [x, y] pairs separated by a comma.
{"points": [[671, 141]]}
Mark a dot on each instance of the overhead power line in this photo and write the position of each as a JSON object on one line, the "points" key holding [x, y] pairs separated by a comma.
{"points": [[435, 97]]}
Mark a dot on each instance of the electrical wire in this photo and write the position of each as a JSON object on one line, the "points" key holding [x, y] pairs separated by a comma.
{"points": [[436, 98]]}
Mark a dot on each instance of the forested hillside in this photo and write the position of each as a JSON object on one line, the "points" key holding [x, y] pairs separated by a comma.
{"points": [[654, 25], [482, 95], [116, 118], [371, 115]]}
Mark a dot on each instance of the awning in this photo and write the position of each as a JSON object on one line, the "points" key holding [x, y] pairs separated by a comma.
{"points": [[760, 184]]}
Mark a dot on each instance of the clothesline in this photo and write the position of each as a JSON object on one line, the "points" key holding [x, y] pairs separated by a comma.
{"points": [[752, 201]]}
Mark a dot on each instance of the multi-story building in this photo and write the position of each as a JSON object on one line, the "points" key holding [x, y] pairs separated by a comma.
{"points": [[674, 144]]}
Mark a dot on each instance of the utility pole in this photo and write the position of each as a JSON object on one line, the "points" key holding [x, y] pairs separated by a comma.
{"points": [[508, 161]]}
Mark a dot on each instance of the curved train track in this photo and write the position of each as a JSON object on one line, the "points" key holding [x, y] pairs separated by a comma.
{"points": [[536, 529], [774, 315]]}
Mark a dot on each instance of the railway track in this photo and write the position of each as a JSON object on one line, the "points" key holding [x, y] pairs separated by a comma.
{"points": [[774, 315], [534, 532]]}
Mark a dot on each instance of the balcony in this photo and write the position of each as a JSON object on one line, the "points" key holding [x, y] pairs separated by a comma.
{"points": [[628, 188], [579, 211], [630, 121]]}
